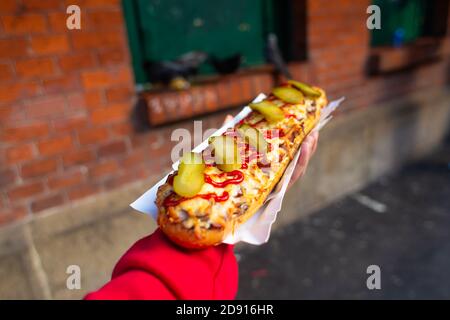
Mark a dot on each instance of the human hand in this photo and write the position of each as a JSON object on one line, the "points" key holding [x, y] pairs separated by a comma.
{"points": [[308, 148]]}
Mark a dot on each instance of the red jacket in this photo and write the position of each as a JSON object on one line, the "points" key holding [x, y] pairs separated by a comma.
{"points": [[154, 268]]}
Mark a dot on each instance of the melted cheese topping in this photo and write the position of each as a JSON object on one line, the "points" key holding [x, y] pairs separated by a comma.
{"points": [[203, 213]]}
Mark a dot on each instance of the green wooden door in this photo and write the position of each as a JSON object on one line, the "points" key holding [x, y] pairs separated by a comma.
{"points": [[165, 29]]}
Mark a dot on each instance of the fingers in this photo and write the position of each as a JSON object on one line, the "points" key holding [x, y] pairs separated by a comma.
{"points": [[316, 139], [307, 149]]}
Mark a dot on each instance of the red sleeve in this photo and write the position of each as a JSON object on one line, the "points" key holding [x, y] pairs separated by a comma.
{"points": [[154, 268]]}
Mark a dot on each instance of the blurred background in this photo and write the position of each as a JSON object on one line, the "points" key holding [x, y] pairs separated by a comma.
{"points": [[86, 117]]}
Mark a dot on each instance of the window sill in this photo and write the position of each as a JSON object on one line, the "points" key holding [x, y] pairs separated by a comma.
{"points": [[206, 96], [389, 59]]}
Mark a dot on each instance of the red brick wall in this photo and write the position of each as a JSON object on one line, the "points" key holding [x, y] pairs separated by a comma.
{"points": [[66, 97]]}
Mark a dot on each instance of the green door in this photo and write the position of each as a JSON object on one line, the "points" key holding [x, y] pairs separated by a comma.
{"points": [[165, 29]]}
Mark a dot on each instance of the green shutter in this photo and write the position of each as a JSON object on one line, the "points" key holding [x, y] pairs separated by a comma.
{"points": [[165, 29]]}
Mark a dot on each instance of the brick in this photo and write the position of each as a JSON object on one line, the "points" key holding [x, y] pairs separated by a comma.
{"points": [[7, 177], [112, 149], [83, 191], [247, 88], [9, 6], [15, 91], [61, 84], [102, 78], [24, 132], [93, 135], [66, 180], [47, 107], [113, 56], [94, 99], [47, 202], [35, 67], [39, 168], [78, 157], [6, 72], [93, 40], [57, 21], [76, 102], [186, 101], [24, 23], [171, 106], [155, 109], [104, 19], [235, 92], [197, 101], [223, 91], [55, 145], [119, 94], [42, 4], [71, 123], [25, 191], [210, 100], [75, 62], [122, 129], [104, 169], [13, 48], [136, 158], [110, 114], [19, 153], [53, 44], [9, 215], [6, 112]]}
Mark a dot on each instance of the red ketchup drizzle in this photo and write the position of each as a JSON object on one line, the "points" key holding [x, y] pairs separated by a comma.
{"points": [[172, 201], [230, 133], [236, 177], [291, 116], [269, 133]]}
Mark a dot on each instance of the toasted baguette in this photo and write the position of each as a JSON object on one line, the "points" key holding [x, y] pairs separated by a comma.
{"points": [[213, 236]]}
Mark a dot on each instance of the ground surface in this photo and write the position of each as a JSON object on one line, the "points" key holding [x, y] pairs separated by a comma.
{"points": [[406, 232]]}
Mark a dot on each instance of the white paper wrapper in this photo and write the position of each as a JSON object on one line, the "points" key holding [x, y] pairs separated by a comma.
{"points": [[257, 229]]}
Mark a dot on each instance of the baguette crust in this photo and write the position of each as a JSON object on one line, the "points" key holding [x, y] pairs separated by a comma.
{"points": [[202, 237]]}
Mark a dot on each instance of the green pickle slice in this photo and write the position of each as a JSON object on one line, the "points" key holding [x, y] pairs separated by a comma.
{"points": [[253, 137], [189, 180], [226, 153], [305, 88], [269, 110], [289, 95]]}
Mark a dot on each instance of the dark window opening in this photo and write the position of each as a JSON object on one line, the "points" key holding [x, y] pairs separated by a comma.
{"points": [[406, 21]]}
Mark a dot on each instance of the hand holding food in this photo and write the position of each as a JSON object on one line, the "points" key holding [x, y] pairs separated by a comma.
{"points": [[209, 196]]}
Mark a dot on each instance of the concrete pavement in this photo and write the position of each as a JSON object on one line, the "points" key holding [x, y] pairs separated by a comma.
{"points": [[400, 223]]}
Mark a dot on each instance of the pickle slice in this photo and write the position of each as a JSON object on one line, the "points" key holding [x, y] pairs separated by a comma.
{"points": [[189, 180], [305, 88], [289, 95], [254, 138], [226, 153], [269, 110]]}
